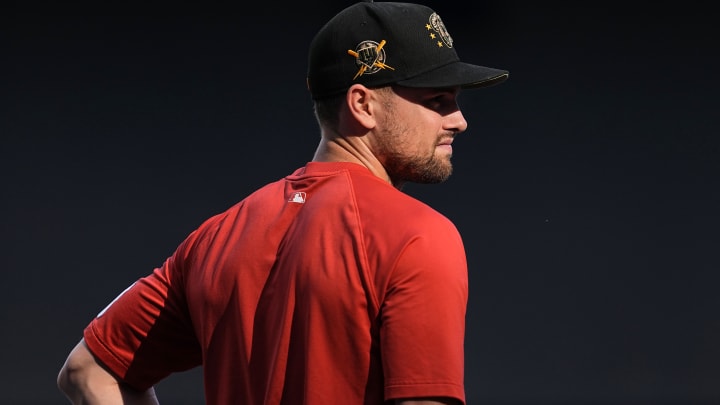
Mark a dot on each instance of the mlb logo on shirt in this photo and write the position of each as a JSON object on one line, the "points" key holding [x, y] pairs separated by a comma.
{"points": [[298, 197]]}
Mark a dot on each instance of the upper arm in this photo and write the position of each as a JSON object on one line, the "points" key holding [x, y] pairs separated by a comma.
{"points": [[423, 319], [146, 334], [80, 366], [83, 379]]}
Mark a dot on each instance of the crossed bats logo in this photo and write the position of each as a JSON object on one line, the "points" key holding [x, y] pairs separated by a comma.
{"points": [[370, 56]]}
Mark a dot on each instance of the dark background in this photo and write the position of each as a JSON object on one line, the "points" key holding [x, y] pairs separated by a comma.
{"points": [[586, 187]]}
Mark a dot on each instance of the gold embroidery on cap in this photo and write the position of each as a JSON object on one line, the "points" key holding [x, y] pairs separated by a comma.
{"points": [[370, 56], [436, 25]]}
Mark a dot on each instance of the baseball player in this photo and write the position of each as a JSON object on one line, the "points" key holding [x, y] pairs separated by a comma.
{"points": [[329, 285]]}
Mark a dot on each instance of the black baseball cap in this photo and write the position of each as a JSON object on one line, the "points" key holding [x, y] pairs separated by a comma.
{"points": [[382, 43]]}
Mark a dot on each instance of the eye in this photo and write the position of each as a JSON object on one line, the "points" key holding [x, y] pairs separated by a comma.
{"points": [[441, 102], [436, 101]]}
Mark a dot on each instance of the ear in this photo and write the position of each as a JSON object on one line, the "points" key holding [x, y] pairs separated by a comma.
{"points": [[360, 100]]}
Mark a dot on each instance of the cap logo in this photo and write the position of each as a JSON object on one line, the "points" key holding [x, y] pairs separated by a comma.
{"points": [[437, 28], [370, 57]]}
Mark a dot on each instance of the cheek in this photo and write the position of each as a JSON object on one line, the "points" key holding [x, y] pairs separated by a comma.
{"points": [[416, 132], [425, 133]]}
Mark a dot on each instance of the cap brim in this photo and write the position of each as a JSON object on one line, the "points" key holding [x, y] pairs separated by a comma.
{"points": [[460, 74]]}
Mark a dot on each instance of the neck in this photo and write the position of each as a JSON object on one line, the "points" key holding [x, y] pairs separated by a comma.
{"points": [[350, 149]]}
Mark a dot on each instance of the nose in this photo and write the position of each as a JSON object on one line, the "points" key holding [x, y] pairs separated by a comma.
{"points": [[456, 121]]}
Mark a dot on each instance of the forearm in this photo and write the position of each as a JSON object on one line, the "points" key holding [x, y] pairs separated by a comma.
{"points": [[428, 401], [85, 382], [110, 395]]}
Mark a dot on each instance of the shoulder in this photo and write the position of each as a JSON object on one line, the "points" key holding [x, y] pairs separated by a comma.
{"points": [[393, 221], [386, 204], [220, 225]]}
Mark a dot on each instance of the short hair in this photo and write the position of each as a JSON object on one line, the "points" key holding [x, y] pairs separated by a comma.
{"points": [[327, 110]]}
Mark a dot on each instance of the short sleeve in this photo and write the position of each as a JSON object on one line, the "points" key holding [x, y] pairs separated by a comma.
{"points": [[423, 318], [145, 333]]}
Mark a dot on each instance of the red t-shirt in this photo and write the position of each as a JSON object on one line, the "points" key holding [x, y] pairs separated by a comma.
{"points": [[328, 286]]}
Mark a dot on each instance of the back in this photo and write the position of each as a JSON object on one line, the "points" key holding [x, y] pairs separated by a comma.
{"points": [[329, 286]]}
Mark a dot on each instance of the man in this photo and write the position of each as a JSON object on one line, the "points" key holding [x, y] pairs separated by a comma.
{"points": [[330, 285]]}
